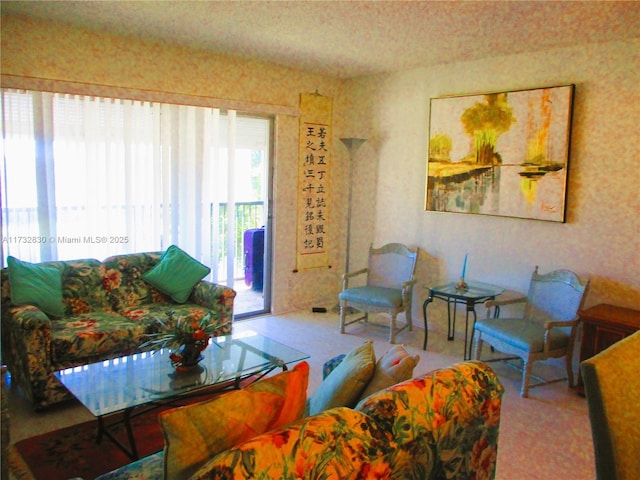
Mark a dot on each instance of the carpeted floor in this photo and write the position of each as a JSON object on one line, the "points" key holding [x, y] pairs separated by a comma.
{"points": [[545, 437]]}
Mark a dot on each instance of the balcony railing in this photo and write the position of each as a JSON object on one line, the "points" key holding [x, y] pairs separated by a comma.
{"points": [[249, 215], [26, 241]]}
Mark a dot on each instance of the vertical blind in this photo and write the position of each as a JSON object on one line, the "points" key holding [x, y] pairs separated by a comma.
{"points": [[88, 177]]}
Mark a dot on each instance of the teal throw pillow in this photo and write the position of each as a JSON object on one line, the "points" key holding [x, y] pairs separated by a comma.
{"points": [[38, 285], [176, 274], [343, 386]]}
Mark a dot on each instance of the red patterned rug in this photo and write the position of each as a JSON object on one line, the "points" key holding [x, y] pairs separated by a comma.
{"points": [[73, 452]]}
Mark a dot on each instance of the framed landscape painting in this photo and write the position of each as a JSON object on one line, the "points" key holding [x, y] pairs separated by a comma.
{"points": [[504, 154]]}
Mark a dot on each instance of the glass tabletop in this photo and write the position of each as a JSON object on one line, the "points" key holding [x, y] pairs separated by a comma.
{"points": [[115, 385], [474, 290]]}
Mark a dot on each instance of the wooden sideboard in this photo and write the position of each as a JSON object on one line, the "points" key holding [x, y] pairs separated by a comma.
{"points": [[602, 326]]}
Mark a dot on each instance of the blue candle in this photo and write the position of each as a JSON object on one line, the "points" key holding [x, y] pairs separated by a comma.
{"points": [[464, 265]]}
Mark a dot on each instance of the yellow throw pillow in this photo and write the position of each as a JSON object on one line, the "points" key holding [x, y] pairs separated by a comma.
{"points": [[196, 433]]}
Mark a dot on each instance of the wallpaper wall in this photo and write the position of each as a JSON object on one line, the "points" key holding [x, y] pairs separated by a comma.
{"points": [[601, 238]]}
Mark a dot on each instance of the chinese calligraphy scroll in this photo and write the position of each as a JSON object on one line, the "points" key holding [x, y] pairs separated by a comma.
{"points": [[314, 174]]}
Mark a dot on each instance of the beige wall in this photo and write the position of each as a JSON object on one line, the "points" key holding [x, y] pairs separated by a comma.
{"points": [[45, 54], [601, 237]]}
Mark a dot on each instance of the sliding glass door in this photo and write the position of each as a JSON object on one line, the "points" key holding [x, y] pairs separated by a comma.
{"points": [[244, 183], [93, 177]]}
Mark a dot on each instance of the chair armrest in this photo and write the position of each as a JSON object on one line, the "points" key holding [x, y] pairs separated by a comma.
{"points": [[354, 274], [407, 290], [26, 342], [408, 284], [218, 299], [27, 318], [348, 275], [549, 324], [489, 304]]}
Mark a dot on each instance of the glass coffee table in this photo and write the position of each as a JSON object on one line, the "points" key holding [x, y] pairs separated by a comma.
{"points": [[149, 380]]}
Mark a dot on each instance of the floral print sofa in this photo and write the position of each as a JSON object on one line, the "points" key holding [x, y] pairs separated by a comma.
{"points": [[109, 309], [442, 425]]}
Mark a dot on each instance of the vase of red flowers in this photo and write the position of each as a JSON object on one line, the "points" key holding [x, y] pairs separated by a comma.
{"points": [[188, 354], [187, 339]]}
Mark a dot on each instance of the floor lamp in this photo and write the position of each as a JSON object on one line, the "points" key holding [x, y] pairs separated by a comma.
{"points": [[352, 145]]}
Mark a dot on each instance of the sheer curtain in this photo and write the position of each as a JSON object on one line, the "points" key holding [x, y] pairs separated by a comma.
{"points": [[92, 177]]}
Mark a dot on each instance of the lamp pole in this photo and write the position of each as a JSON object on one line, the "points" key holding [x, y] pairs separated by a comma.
{"points": [[352, 144]]}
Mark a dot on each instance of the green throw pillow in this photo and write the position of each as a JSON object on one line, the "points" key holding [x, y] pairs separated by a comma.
{"points": [[345, 383], [176, 274], [37, 285]]}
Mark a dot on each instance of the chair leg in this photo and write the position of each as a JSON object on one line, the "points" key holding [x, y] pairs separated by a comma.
{"points": [[343, 310], [526, 373], [569, 364], [392, 335], [478, 347], [407, 314]]}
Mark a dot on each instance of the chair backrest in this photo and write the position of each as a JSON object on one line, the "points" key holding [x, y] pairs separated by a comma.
{"points": [[391, 265], [557, 295], [611, 384]]}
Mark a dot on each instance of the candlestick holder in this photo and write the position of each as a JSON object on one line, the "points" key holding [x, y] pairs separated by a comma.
{"points": [[462, 285]]}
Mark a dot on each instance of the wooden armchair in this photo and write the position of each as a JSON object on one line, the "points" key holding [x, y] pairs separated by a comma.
{"points": [[546, 330], [388, 289]]}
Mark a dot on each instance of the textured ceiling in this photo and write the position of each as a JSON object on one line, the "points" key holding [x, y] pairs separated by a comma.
{"points": [[353, 38]]}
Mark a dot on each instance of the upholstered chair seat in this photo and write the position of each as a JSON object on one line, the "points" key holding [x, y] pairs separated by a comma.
{"points": [[378, 296]]}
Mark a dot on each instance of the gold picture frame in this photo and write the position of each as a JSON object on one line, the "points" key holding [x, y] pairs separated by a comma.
{"points": [[503, 154]]}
